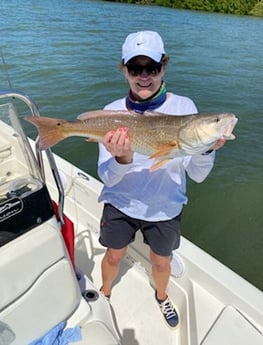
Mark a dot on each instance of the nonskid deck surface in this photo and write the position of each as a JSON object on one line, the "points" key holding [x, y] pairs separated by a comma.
{"points": [[137, 314], [134, 308]]}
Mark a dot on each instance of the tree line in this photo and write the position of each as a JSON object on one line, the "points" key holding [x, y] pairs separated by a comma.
{"points": [[240, 7]]}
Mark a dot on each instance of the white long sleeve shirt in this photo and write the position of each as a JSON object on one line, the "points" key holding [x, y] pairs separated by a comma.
{"points": [[151, 196]]}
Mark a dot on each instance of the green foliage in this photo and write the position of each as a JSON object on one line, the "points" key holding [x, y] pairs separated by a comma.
{"points": [[257, 10], [241, 7]]}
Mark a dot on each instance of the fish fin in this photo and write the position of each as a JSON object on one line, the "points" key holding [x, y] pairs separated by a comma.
{"points": [[91, 140], [230, 137], [105, 112], [158, 164], [165, 150], [94, 113], [49, 130]]}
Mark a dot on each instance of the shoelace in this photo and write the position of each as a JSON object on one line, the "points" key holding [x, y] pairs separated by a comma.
{"points": [[168, 309]]}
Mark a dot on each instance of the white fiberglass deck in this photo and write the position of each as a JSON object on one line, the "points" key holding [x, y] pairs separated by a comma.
{"points": [[203, 296], [203, 316]]}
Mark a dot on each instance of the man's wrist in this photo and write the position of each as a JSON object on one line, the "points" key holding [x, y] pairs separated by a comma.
{"points": [[123, 160]]}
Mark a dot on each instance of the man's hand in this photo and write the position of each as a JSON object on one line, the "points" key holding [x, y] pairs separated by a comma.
{"points": [[220, 143], [119, 145]]}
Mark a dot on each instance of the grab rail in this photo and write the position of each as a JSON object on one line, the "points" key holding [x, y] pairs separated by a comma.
{"points": [[34, 110]]}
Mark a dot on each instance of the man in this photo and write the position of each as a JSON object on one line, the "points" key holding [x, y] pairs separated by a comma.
{"points": [[134, 197]]}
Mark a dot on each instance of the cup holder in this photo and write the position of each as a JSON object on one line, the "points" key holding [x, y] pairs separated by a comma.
{"points": [[90, 295]]}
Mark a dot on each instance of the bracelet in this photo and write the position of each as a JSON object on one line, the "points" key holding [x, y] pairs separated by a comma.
{"points": [[207, 152]]}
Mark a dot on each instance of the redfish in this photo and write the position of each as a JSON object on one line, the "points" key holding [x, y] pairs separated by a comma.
{"points": [[159, 136]]}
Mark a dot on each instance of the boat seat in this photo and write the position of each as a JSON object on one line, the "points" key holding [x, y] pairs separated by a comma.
{"points": [[233, 328], [5, 149], [38, 287]]}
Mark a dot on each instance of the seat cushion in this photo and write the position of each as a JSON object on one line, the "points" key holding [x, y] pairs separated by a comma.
{"points": [[38, 286]]}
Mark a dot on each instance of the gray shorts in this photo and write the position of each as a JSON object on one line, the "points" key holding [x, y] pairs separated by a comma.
{"points": [[117, 230]]}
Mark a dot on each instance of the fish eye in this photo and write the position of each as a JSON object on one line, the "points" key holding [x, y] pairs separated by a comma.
{"points": [[58, 124], [217, 119]]}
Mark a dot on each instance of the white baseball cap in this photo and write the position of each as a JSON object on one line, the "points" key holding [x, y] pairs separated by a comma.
{"points": [[147, 43]]}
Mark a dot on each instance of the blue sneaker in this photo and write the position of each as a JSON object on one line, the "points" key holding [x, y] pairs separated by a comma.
{"points": [[168, 311]]}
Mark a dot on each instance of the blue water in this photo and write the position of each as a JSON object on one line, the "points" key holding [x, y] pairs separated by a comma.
{"points": [[65, 55]]}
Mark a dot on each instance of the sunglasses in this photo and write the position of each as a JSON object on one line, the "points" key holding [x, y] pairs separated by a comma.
{"points": [[152, 69]]}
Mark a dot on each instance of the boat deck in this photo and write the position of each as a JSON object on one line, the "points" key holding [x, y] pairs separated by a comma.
{"points": [[137, 315], [135, 311], [208, 297]]}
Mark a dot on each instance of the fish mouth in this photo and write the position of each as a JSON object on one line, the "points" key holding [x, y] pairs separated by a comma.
{"points": [[228, 135]]}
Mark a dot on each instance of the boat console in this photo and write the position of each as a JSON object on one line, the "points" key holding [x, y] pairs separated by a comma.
{"points": [[24, 199]]}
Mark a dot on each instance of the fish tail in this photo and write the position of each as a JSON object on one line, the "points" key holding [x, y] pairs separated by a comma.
{"points": [[50, 130]]}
